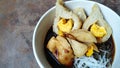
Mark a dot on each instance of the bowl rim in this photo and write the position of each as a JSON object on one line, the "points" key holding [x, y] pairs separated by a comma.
{"points": [[42, 17], [34, 36]]}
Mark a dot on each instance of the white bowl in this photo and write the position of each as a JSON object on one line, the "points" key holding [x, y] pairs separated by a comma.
{"points": [[46, 21]]}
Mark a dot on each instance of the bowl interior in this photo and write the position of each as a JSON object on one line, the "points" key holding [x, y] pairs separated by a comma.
{"points": [[46, 22]]}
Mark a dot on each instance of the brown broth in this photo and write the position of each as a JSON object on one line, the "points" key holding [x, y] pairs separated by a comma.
{"points": [[108, 46]]}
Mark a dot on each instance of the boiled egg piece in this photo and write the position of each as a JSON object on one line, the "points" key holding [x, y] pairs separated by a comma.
{"points": [[90, 51], [98, 31], [64, 26]]}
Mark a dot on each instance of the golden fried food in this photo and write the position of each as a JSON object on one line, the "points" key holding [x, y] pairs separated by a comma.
{"points": [[83, 35], [61, 49], [79, 49], [81, 13], [64, 12], [97, 17]]}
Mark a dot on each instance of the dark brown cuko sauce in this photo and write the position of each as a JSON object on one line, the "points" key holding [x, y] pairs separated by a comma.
{"points": [[106, 46]]}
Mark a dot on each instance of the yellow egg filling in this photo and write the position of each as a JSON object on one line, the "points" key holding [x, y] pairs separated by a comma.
{"points": [[64, 26], [60, 33], [98, 31], [90, 51]]}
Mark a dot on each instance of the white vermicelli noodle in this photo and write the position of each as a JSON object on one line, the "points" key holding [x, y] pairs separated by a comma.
{"points": [[91, 62]]}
